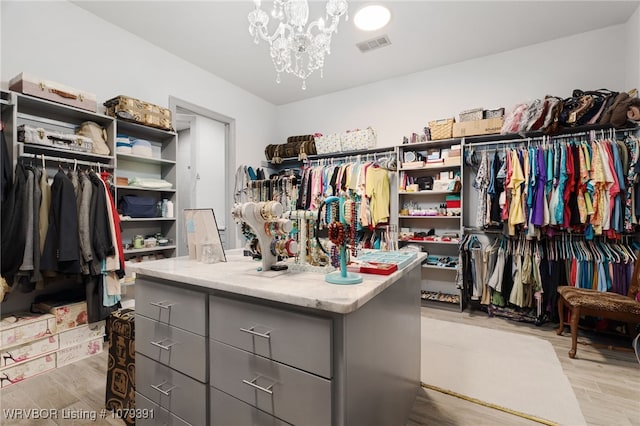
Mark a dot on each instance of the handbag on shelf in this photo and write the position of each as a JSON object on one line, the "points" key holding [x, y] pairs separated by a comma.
{"points": [[97, 134], [138, 206]]}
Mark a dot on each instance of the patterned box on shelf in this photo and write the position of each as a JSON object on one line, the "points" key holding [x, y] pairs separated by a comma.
{"points": [[24, 327], [355, 140], [121, 370], [19, 372], [28, 351], [441, 129], [81, 334], [80, 351], [141, 112], [52, 91], [40, 136], [329, 143], [471, 114], [493, 113], [68, 315]]}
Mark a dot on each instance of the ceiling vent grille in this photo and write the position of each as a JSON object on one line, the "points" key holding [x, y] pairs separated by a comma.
{"points": [[374, 43]]}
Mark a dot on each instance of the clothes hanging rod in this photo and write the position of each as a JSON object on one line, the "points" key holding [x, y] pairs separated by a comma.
{"points": [[551, 138], [66, 160], [346, 154]]}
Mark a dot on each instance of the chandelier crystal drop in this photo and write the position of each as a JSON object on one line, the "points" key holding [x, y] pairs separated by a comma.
{"points": [[297, 46]]}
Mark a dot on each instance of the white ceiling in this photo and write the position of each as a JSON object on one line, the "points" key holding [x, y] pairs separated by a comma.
{"points": [[424, 34]]}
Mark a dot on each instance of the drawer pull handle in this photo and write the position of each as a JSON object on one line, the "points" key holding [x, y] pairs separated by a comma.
{"points": [[253, 384], [266, 335], [162, 305], [159, 344], [162, 391]]}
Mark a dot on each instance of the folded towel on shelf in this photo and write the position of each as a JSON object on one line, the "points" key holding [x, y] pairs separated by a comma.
{"points": [[150, 183], [141, 147]]}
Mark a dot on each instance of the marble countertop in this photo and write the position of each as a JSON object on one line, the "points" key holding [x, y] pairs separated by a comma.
{"points": [[239, 275]]}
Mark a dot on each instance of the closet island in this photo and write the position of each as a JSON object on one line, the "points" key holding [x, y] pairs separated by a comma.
{"points": [[225, 344]]}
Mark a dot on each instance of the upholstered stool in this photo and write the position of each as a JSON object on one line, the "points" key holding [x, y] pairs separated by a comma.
{"points": [[121, 371], [613, 306]]}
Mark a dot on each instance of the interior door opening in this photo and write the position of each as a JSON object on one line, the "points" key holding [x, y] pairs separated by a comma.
{"points": [[205, 153]]}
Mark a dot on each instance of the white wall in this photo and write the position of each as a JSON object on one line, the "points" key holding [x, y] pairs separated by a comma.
{"points": [[398, 106], [632, 79], [64, 43]]}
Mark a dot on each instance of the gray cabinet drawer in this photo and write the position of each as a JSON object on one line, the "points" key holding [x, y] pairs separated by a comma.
{"points": [[179, 394], [159, 416], [179, 349], [292, 395], [295, 339], [227, 410], [175, 306]]}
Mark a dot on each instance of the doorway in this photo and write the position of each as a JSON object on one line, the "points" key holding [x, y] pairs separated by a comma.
{"points": [[206, 153]]}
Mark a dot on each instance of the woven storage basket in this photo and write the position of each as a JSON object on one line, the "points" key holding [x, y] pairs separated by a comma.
{"points": [[471, 115], [441, 129]]}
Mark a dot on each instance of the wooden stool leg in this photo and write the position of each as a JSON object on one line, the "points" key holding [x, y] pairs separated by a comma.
{"points": [[575, 318], [560, 329]]}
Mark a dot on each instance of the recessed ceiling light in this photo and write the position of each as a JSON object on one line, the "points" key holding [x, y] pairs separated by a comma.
{"points": [[371, 18]]}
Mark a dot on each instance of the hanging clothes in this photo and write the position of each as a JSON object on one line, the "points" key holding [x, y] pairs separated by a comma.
{"points": [[13, 229], [578, 185], [61, 250], [6, 175]]}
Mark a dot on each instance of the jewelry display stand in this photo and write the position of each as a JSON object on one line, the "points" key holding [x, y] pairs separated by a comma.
{"points": [[264, 218], [341, 276]]}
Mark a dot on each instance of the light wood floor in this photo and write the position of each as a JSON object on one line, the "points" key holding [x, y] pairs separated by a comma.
{"points": [[606, 383]]}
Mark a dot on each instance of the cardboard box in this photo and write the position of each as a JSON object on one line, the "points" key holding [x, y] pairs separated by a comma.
{"points": [[81, 334], [25, 370], [478, 127], [77, 352], [24, 327], [67, 316], [28, 351]]}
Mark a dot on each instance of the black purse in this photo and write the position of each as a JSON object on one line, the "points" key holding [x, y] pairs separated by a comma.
{"points": [[425, 183]]}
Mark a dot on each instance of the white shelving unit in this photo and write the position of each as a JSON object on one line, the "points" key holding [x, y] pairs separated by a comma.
{"points": [[435, 279], [161, 165]]}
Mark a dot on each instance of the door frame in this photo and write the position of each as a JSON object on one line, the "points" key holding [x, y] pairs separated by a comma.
{"points": [[230, 157]]}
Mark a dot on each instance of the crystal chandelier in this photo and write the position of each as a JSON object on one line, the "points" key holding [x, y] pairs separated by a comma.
{"points": [[297, 48]]}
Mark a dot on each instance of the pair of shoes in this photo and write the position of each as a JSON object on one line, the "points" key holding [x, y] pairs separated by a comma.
{"points": [[636, 347]]}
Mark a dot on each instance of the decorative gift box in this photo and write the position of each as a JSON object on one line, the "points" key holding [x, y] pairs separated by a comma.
{"points": [[25, 370], [80, 351], [471, 114], [24, 327], [68, 315], [28, 351], [355, 140], [52, 91], [327, 144], [81, 334]]}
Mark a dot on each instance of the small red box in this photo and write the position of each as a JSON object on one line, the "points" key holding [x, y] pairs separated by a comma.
{"points": [[373, 268], [453, 204]]}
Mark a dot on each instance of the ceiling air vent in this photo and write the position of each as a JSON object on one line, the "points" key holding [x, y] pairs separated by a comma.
{"points": [[374, 43]]}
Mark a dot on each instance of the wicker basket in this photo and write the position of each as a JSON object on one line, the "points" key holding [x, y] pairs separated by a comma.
{"points": [[441, 129], [471, 115]]}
